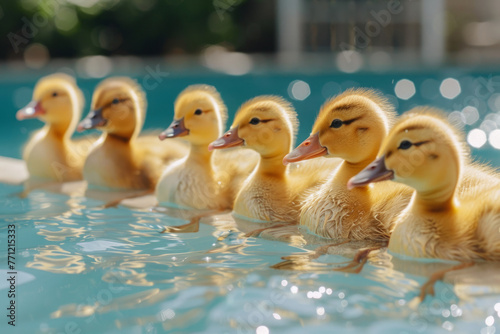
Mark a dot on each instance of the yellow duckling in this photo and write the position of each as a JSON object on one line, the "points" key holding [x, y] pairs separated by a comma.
{"points": [[268, 125], [350, 126], [119, 159], [51, 154], [454, 213], [204, 179]]}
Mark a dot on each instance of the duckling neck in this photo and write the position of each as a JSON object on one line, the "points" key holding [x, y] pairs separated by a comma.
{"points": [[199, 154], [115, 139], [440, 200], [59, 129], [272, 165]]}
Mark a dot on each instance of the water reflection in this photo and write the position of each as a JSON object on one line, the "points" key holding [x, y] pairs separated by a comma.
{"points": [[56, 260]]}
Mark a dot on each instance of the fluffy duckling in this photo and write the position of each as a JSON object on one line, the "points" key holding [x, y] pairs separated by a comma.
{"points": [[454, 213], [204, 179], [350, 126], [268, 125], [119, 159], [51, 154]]}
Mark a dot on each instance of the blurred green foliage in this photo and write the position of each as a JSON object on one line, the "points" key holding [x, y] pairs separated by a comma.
{"points": [[74, 28]]}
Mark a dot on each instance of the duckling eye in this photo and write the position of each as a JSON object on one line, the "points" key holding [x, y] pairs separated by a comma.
{"points": [[405, 144], [336, 123], [54, 94], [115, 101], [255, 121], [198, 112]]}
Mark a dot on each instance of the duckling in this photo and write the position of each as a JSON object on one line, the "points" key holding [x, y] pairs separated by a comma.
{"points": [[204, 179], [268, 125], [350, 126], [454, 212], [51, 154], [120, 159]]}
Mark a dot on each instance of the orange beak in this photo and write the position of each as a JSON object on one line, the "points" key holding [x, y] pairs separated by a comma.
{"points": [[309, 149], [229, 139], [32, 110]]}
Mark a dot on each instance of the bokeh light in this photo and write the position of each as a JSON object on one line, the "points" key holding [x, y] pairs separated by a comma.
{"points": [[94, 66], [494, 138], [349, 61], [36, 55], [405, 89], [471, 115], [476, 138], [450, 88], [219, 59], [299, 90], [262, 330]]}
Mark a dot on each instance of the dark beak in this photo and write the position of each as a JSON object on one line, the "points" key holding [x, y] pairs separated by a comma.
{"points": [[310, 148], [229, 139], [32, 110], [93, 120], [374, 172], [176, 129]]}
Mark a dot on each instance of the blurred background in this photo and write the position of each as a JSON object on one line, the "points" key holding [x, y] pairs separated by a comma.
{"points": [[376, 34], [444, 53]]}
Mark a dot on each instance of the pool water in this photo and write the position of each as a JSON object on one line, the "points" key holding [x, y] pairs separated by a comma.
{"points": [[83, 269]]}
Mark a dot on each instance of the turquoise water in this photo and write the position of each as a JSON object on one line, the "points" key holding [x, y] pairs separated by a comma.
{"points": [[82, 269]]}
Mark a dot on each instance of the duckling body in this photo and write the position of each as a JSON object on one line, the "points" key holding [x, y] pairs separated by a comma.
{"points": [[363, 213], [203, 179], [350, 126], [120, 159], [268, 124], [51, 154], [454, 212]]}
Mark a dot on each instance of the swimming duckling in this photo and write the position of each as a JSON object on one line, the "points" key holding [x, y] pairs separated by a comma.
{"points": [[204, 179], [51, 154], [120, 159], [454, 213], [268, 125], [350, 126]]}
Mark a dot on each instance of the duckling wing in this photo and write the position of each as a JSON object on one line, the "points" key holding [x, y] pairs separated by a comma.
{"points": [[477, 178], [481, 209], [306, 176], [390, 200], [236, 164], [156, 155]]}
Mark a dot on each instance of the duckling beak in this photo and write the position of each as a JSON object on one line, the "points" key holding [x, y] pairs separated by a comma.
{"points": [[229, 139], [32, 110], [374, 172], [310, 148], [176, 129], [93, 120]]}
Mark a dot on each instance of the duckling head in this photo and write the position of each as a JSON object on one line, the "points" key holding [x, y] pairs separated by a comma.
{"points": [[118, 108], [422, 151], [350, 126], [57, 100], [199, 116], [266, 124]]}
